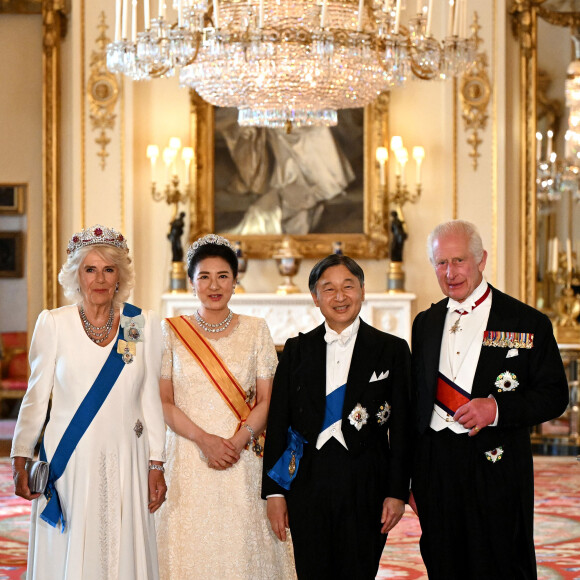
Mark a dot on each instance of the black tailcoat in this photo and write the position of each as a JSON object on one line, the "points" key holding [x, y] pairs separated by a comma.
{"points": [[500, 510], [377, 462]]}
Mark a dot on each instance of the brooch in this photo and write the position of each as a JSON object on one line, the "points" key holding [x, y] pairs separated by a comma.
{"points": [[128, 350], [358, 417], [138, 428], [504, 339], [133, 327], [383, 413], [506, 382], [494, 455]]}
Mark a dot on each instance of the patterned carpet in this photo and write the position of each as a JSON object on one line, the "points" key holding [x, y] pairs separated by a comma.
{"points": [[557, 527]]}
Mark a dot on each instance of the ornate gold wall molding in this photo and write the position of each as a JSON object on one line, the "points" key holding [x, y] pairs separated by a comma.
{"points": [[102, 92], [475, 92], [53, 30]]}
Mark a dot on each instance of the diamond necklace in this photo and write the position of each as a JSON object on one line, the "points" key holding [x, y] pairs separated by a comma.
{"points": [[97, 334], [208, 327]]}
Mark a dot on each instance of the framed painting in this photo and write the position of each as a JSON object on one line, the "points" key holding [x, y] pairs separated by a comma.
{"points": [[12, 198], [11, 254], [314, 185]]}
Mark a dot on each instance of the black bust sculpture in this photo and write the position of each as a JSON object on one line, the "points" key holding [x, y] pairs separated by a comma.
{"points": [[174, 235], [399, 235]]}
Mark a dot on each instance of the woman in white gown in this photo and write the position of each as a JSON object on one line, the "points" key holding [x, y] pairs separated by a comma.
{"points": [[113, 479], [216, 380]]}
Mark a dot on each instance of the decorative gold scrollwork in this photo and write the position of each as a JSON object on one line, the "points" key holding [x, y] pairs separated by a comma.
{"points": [[102, 92]]}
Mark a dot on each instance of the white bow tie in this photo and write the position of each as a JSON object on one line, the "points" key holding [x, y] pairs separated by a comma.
{"points": [[333, 336]]}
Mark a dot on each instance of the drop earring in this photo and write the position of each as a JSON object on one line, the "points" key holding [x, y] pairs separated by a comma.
{"points": [[117, 287]]}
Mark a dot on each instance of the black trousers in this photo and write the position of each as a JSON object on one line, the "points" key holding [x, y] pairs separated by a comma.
{"points": [[476, 515], [335, 518]]}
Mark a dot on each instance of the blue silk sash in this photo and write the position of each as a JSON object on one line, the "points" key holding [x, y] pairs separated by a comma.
{"points": [[334, 405], [286, 468], [80, 422]]}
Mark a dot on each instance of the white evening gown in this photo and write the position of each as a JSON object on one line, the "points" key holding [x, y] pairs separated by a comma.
{"points": [[213, 525], [109, 533]]}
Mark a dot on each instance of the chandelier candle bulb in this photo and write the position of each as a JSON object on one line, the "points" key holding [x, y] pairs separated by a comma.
{"points": [[124, 21], [134, 20], [397, 17], [161, 8], [361, 5], [323, 13], [450, 19], [550, 143], [429, 19], [117, 20], [216, 14], [419, 7], [146, 15], [180, 13], [456, 18], [538, 146]]}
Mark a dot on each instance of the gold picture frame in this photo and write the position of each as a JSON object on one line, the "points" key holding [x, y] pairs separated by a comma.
{"points": [[12, 198], [372, 242]]}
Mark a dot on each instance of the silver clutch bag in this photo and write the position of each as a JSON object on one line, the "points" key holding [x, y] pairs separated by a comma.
{"points": [[37, 475]]}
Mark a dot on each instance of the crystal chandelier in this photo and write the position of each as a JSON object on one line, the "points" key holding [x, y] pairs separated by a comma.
{"points": [[289, 62]]}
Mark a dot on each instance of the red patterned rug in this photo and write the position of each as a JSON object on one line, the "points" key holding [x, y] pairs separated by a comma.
{"points": [[557, 527]]}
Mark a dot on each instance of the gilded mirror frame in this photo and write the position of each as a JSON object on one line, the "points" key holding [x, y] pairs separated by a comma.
{"points": [[372, 243], [525, 14], [53, 30]]}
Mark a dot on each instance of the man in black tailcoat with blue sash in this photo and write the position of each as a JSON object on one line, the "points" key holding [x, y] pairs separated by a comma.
{"points": [[337, 455], [486, 368]]}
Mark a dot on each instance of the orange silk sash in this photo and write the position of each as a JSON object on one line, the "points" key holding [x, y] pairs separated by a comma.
{"points": [[213, 366]]}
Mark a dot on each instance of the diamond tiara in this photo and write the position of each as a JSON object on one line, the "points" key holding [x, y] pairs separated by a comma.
{"points": [[209, 239], [97, 235]]}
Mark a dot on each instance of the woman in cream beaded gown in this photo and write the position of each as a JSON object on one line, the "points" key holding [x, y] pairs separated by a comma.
{"points": [[216, 380]]}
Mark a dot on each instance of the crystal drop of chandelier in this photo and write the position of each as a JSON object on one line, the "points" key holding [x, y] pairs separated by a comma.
{"points": [[290, 62]]}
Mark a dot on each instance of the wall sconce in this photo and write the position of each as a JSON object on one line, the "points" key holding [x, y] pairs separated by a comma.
{"points": [[395, 201], [173, 195]]}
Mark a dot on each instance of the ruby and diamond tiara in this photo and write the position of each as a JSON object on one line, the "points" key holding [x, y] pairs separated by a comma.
{"points": [[97, 235]]}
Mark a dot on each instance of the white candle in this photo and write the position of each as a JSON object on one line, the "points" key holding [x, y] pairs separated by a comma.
{"points": [[147, 15], [180, 13], [134, 20], [419, 7], [418, 156], [429, 19], [456, 18], [450, 19], [216, 14], [538, 146], [118, 20], [550, 139], [261, 14], [124, 21], [397, 17], [153, 154], [161, 10], [323, 14], [361, 5], [187, 156], [382, 157]]}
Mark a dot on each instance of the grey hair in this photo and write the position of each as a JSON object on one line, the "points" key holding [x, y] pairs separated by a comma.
{"points": [[68, 276], [457, 227]]}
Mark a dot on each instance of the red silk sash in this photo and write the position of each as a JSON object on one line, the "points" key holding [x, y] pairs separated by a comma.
{"points": [[449, 395]]}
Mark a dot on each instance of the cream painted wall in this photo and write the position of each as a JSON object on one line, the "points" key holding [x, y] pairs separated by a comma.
{"points": [[421, 112], [21, 160]]}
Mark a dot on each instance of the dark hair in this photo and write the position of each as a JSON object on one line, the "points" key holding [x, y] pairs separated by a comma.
{"points": [[329, 262], [213, 251]]}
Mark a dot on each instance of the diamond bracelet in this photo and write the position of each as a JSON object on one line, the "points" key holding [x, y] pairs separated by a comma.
{"points": [[155, 467]]}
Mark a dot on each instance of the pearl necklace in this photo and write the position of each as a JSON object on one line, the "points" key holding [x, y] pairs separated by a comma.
{"points": [[97, 334], [208, 327]]}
